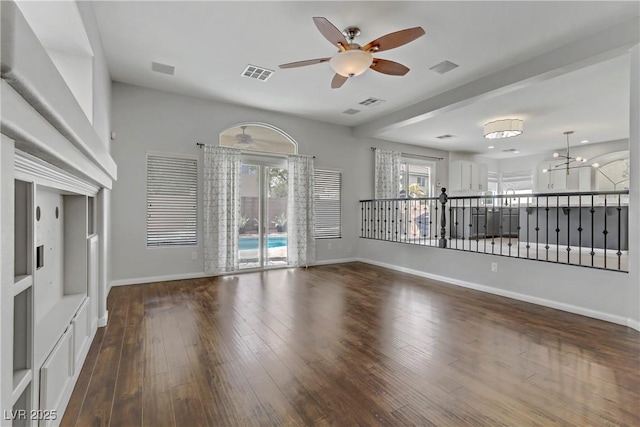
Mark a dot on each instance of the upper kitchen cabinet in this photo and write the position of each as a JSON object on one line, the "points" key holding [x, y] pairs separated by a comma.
{"points": [[467, 177], [548, 180]]}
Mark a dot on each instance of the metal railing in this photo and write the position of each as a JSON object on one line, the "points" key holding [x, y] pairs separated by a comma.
{"points": [[588, 229]]}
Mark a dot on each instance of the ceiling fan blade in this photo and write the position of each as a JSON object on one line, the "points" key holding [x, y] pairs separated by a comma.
{"points": [[338, 81], [331, 33], [385, 66], [393, 40], [304, 63]]}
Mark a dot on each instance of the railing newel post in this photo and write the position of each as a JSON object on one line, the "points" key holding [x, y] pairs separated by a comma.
{"points": [[443, 219]]}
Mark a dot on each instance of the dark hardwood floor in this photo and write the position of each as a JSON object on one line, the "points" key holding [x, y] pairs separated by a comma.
{"points": [[349, 344]]}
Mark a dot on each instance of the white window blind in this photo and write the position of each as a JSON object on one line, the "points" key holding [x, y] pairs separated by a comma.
{"points": [[172, 199], [517, 181], [328, 204]]}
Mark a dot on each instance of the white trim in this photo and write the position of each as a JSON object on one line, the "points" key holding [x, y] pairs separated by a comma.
{"points": [[102, 322], [141, 280], [633, 324], [186, 276], [509, 294], [336, 261], [33, 169]]}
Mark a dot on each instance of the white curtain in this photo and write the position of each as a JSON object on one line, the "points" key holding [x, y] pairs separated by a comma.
{"points": [[301, 219], [221, 208], [387, 174]]}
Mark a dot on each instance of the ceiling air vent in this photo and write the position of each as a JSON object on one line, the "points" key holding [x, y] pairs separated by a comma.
{"points": [[163, 68], [444, 67], [446, 136], [511, 150], [351, 111], [371, 102], [258, 73]]}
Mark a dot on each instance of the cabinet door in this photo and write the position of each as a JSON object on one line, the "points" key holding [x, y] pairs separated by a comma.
{"points": [[558, 180], [455, 176], [542, 178], [480, 176], [466, 175], [55, 374]]}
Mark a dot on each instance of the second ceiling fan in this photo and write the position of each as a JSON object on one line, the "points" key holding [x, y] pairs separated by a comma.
{"points": [[353, 59]]}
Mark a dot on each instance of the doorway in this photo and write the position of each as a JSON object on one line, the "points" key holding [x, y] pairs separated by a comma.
{"points": [[262, 241]]}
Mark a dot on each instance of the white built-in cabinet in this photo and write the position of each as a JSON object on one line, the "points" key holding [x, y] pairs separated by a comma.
{"points": [[552, 180], [55, 283], [467, 176]]}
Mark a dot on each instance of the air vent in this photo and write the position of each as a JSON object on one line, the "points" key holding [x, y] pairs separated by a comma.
{"points": [[257, 73], [351, 111], [444, 67], [446, 136], [511, 150], [371, 102], [163, 68]]}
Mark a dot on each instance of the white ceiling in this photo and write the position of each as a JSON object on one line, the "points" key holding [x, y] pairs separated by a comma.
{"points": [[210, 44]]}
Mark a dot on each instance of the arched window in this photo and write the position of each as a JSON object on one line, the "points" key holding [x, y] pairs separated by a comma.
{"points": [[258, 137]]}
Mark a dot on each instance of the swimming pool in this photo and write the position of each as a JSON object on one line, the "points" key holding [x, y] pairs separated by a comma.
{"points": [[249, 243]]}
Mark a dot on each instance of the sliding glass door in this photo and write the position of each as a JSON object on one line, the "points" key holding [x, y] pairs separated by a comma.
{"points": [[263, 213]]}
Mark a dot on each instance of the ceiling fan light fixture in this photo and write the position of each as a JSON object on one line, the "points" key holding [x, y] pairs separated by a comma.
{"points": [[351, 63], [503, 128]]}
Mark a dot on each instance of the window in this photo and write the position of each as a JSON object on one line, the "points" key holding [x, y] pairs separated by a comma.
{"points": [[328, 204], [492, 182], [172, 199], [516, 183], [416, 178]]}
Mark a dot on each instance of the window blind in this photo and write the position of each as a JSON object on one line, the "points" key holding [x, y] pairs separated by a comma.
{"points": [[328, 204], [172, 199], [518, 181]]}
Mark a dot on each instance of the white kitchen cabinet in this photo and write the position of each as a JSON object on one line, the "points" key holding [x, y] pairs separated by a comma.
{"points": [[467, 176], [552, 180]]}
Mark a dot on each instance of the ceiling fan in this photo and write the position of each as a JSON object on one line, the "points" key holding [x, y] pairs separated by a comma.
{"points": [[353, 59], [243, 138]]}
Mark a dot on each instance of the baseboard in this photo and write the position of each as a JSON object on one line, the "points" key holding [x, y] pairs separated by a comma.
{"points": [[140, 280], [336, 261], [102, 322], [510, 294], [633, 324]]}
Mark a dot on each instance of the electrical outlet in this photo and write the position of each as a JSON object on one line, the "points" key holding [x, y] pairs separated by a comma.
{"points": [[194, 255], [494, 267]]}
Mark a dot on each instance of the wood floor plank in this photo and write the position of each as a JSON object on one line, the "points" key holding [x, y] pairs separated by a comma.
{"points": [[349, 344]]}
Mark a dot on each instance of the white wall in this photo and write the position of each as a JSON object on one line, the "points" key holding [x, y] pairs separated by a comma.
{"points": [[101, 79], [145, 119], [77, 71]]}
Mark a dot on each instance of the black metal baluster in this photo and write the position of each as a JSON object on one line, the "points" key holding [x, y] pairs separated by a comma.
{"points": [[493, 231], [546, 246], [518, 228], [456, 212], [580, 230], [509, 210], [500, 231], [568, 230], [557, 228], [605, 232], [486, 216], [593, 236], [537, 227], [619, 253]]}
